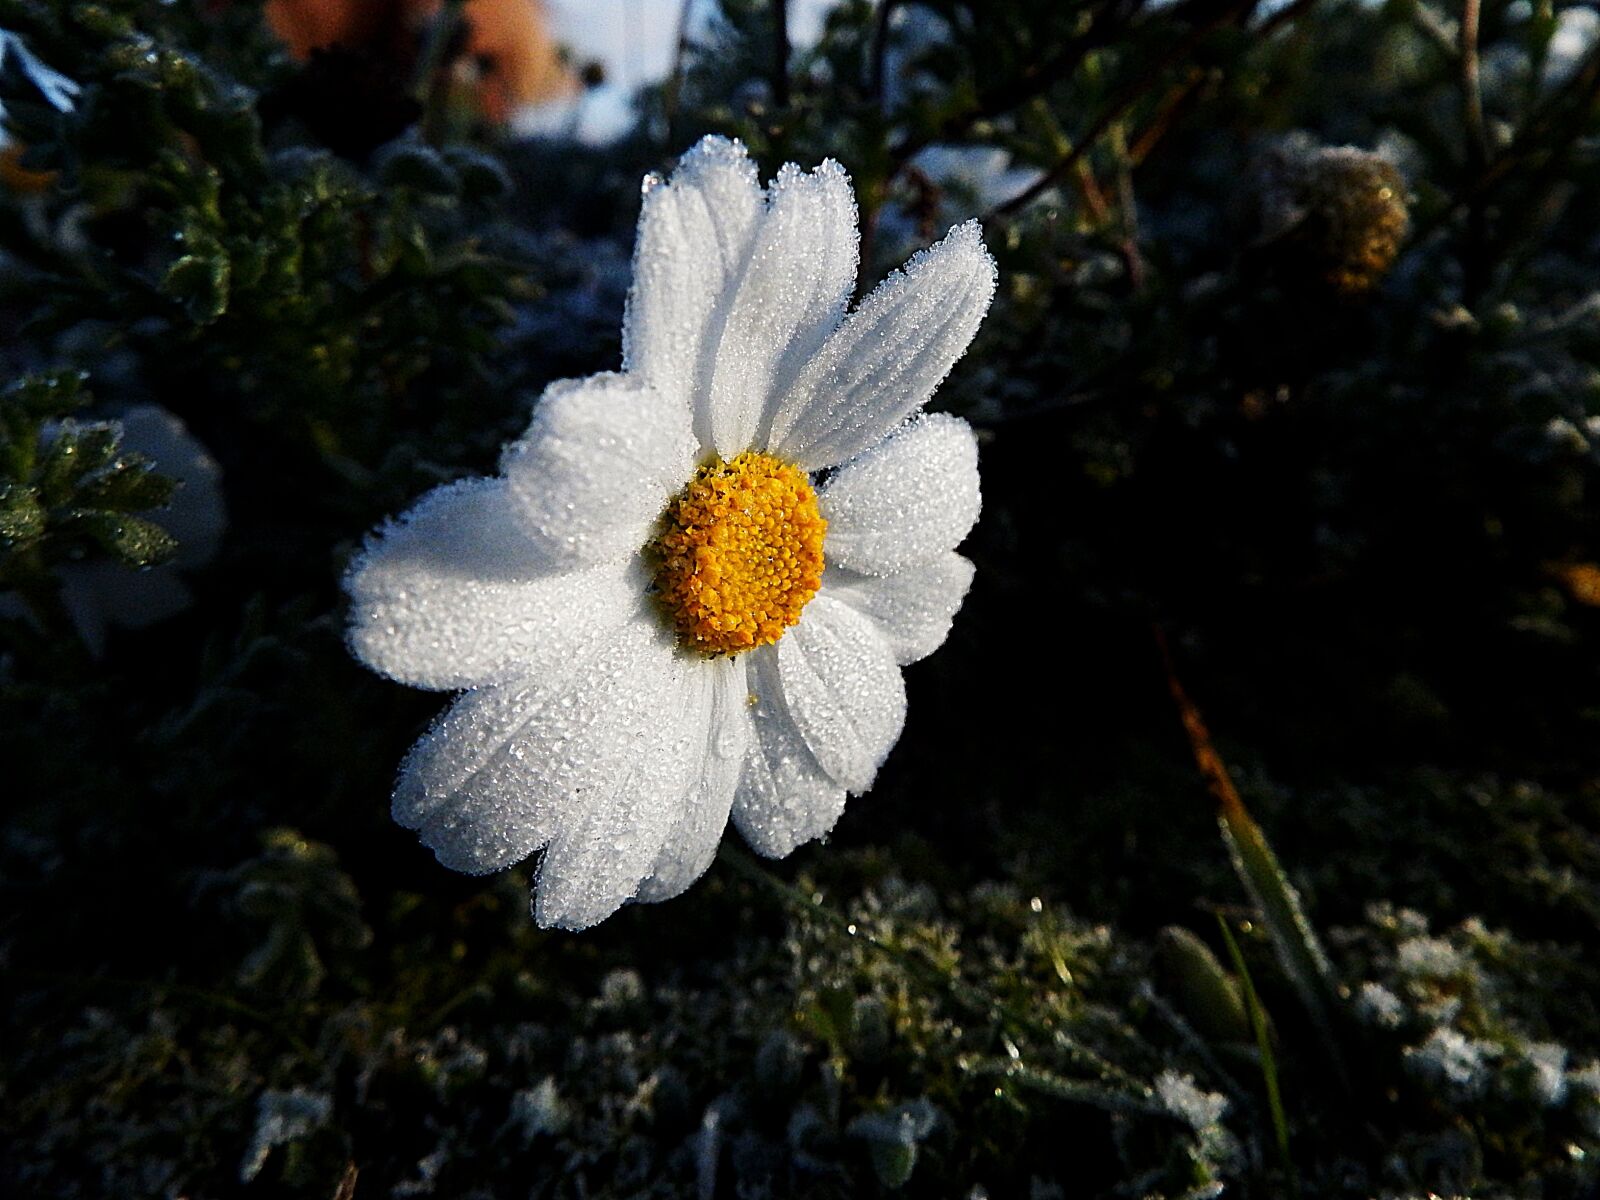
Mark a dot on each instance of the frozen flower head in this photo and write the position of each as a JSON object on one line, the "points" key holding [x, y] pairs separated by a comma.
{"points": [[1341, 211], [689, 593]]}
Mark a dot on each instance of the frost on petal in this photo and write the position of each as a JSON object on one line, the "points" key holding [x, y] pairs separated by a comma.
{"points": [[906, 501], [842, 690], [695, 232], [454, 595], [912, 609], [596, 466], [507, 769], [607, 844], [791, 296], [889, 355], [784, 798], [692, 842]]}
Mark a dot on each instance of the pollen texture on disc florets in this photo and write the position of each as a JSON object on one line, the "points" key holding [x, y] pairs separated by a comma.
{"points": [[739, 554]]}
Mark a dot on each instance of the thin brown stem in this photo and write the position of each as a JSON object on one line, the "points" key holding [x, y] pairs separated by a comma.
{"points": [[1474, 267], [673, 91], [880, 49], [1017, 91], [1128, 97], [1546, 134], [780, 53]]}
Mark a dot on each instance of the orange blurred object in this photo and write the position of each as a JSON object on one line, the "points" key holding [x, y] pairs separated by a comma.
{"points": [[508, 60], [21, 180], [1581, 579]]}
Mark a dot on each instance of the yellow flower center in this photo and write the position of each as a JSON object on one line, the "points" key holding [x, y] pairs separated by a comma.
{"points": [[739, 554]]}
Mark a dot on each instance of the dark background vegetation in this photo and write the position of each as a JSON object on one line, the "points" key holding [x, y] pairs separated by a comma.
{"points": [[1314, 418]]}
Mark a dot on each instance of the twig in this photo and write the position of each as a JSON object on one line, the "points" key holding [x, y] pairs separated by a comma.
{"points": [[1126, 99], [1474, 268], [1017, 91], [673, 90], [1171, 108], [780, 53], [880, 50], [1541, 131]]}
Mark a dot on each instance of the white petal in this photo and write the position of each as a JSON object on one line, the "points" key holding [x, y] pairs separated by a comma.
{"points": [[692, 842], [454, 595], [509, 768], [784, 797], [913, 609], [596, 466], [792, 295], [889, 355], [695, 232], [906, 501], [843, 691], [608, 844]]}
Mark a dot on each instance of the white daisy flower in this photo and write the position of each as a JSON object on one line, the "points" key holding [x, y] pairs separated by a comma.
{"points": [[689, 593]]}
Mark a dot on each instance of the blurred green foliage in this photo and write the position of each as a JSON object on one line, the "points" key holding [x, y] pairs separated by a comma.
{"points": [[1328, 417]]}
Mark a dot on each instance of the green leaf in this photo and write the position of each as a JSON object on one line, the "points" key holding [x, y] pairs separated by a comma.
{"points": [[892, 1138], [22, 517], [1299, 952], [133, 541], [1212, 999], [200, 284], [135, 487], [1269, 1064], [419, 167]]}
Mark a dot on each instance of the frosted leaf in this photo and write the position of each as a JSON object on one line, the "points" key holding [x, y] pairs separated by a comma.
{"points": [[843, 691], [888, 356], [1548, 1063], [538, 1110], [792, 295], [695, 232], [1429, 958], [1448, 1057], [1188, 1102], [596, 466], [905, 501], [1377, 1005], [913, 609], [454, 594], [283, 1117], [1583, 1086], [97, 594], [785, 798], [691, 844]]}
